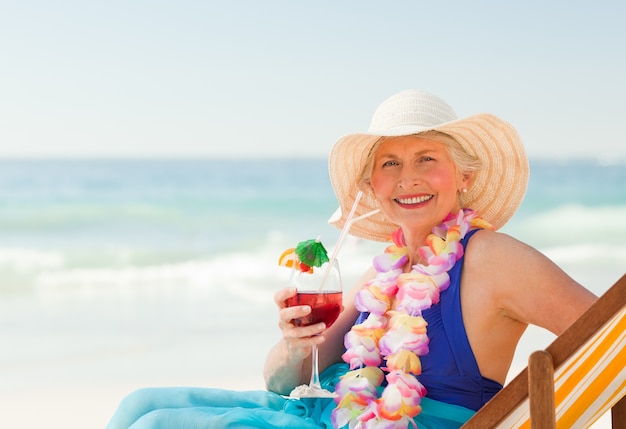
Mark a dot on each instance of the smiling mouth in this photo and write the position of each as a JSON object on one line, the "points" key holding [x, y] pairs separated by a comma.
{"points": [[414, 200]]}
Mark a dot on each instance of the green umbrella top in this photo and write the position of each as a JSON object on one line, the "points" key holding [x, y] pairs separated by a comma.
{"points": [[312, 253], [307, 254]]}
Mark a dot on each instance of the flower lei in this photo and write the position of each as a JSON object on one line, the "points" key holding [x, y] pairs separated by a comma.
{"points": [[396, 333]]}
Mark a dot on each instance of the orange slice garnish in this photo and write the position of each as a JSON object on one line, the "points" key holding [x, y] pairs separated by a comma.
{"points": [[288, 258]]}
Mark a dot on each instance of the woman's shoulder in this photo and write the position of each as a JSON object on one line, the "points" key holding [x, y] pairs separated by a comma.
{"points": [[523, 282], [499, 260], [496, 245], [501, 253]]}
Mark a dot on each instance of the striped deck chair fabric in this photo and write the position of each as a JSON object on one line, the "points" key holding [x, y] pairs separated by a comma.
{"points": [[588, 384]]}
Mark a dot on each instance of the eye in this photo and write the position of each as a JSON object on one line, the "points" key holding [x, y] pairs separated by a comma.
{"points": [[390, 163], [426, 158]]}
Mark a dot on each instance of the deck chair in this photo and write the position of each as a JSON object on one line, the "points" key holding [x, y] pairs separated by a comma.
{"points": [[574, 381]]}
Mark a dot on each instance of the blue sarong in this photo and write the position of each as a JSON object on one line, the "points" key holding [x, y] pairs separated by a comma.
{"points": [[202, 408]]}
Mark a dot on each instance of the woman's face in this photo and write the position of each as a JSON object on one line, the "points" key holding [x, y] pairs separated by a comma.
{"points": [[415, 181]]}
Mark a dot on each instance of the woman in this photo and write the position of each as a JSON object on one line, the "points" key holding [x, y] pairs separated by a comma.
{"points": [[428, 334]]}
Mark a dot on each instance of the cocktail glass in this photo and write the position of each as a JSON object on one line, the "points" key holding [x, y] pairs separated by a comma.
{"points": [[322, 290]]}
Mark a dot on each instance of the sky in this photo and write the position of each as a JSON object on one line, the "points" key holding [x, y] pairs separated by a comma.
{"points": [[184, 78]]}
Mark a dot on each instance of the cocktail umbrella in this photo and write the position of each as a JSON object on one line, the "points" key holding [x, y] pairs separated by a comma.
{"points": [[312, 253]]}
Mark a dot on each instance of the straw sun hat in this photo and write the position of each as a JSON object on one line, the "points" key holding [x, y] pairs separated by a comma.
{"points": [[495, 191]]}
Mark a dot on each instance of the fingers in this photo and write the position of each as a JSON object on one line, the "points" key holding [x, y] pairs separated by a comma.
{"points": [[291, 331], [299, 338], [289, 314], [288, 318], [281, 297]]}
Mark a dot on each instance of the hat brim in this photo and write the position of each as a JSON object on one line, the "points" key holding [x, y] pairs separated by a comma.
{"points": [[495, 191]]}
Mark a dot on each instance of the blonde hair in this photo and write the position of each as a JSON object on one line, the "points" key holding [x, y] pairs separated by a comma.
{"points": [[466, 163]]}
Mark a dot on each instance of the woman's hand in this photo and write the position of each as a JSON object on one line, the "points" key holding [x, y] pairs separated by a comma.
{"points": [[298, 339], [287, 364]]}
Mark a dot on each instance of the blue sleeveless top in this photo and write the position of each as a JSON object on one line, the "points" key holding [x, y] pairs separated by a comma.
{"points": [[450, 373]]}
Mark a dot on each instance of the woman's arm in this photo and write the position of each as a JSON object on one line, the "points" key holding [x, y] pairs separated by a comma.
{"points": [[525, 285]]}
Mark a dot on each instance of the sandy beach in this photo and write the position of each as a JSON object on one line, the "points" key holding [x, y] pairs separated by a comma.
{"points": [[61, 378]]}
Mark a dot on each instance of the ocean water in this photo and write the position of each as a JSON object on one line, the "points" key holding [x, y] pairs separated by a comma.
{"points": [[115, 274], [115, 224], [104, 218]]}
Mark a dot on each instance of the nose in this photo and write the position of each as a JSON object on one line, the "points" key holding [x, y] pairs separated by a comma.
{"points": [[409, 177]]}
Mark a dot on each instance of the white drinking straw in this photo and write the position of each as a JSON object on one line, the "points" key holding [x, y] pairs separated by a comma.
{"points": [[344, 231], [349, 221]]}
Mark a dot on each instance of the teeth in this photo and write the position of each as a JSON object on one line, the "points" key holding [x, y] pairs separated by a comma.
{"points": [[414, 200]]}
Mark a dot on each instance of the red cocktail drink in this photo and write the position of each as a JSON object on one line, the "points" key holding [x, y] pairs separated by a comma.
{"points": [[325, 307]]}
